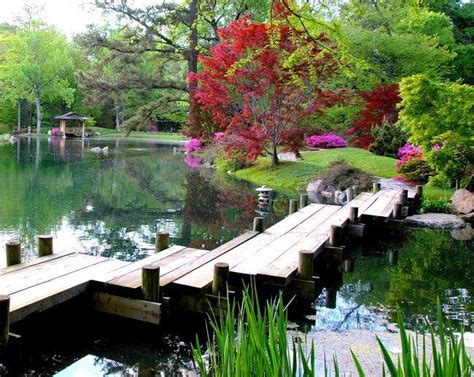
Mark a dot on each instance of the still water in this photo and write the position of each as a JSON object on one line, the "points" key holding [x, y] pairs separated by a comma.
{"points": [[112, 206]]}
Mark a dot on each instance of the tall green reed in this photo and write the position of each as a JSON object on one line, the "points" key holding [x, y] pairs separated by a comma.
{"points": [[251, 340]]}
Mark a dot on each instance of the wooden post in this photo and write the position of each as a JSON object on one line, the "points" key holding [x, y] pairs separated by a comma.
{"points": [[304, 200], [45, 245], [457, 185], [376, 187], [4, 320], [258, 224], [397, 210], [293, 206], [13, 249], [350, 194], [162, 241], [151, 282], [221, 277], [334, 235], [349, 265], [353, 215], [393, 257], [305, 265], [419, 191], [404, 197]]}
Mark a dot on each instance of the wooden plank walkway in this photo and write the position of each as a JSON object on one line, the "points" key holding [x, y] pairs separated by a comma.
{"points": [[271, 256]]}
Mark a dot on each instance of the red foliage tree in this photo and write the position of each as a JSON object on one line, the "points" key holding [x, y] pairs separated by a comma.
{"points": [[262, 80], [380, 103]]}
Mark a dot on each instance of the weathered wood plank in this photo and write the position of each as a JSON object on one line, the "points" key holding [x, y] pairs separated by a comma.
{"points": [[207, 258], [139, 310], [383, 206], [134, 279], [54, 292], [40, 273], [34, 262], [289, 222]]}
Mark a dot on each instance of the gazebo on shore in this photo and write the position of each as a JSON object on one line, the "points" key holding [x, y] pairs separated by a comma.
{"points": [[72, 131]]}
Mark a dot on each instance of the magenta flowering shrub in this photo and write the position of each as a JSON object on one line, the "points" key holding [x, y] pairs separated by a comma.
{"points": [[193, 145], [192, 161], [152, 128], [326, 141], [55, 131], [407, 152], [218, 136]]}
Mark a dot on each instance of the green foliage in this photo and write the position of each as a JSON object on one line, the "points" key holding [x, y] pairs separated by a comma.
{"points": [[388, 139], [249, 340], [417, 170], [439, 115], [434, 205]]}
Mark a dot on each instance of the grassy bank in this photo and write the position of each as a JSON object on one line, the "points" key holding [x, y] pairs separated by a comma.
{"points": [[107, 132], [293, 177]]}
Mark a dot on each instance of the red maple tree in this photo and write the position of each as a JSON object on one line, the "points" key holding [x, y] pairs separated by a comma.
{"points": [[261, 81], [381, 103]]}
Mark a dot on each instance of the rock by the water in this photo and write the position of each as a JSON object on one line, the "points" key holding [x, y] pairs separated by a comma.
{"points": [[99, 150], [469, 218], [314, 187], [465, 234], [462, 201], [435, 221]]}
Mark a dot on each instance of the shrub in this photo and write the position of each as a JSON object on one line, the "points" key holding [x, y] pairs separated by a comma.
{"points": [[152, 128], [340, 175], [328, 140], [193, 145], [434, 205], [416, 169], [55, 131], [388, 140], [193, 161]]}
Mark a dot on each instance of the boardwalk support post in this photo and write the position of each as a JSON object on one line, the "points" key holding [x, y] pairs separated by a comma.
{"points": [[305, 265], [258, 224], [397, 211], [293, 206], [335, 235], [221, 278], [349, 194], [151, 282], [45, 245], [353, 215], [304, 200], [376, 187], [393, 257], [13, 249], [4, 321], [162, 241], [349, 265]]}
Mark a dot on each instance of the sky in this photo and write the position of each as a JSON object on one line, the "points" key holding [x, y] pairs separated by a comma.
{"points": [[69, 16]]}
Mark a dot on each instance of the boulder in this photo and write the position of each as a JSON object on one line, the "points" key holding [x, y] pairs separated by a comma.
{"points": [[465, 234], [435, 221], [313, 189], [462, 201], [469, 218]]}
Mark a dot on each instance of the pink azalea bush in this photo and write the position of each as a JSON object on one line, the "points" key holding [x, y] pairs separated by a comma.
{"points": [[218, 136], [327, 140], [407, 152], [193, 145], [152, 128], [192, 161], [55, 131]]}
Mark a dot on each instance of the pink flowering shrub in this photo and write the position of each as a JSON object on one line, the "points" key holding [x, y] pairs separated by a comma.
{"points": [[327, 140], [193, 162], [412, 164], [152, 128], [193, 145], [219, 136], [407, 152], [55, 131]]}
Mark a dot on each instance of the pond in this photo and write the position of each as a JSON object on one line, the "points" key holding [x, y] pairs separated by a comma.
{"points": [[113, 206]]}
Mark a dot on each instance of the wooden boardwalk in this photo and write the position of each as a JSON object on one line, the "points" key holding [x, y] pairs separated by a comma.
{"points": [[282, 256]]}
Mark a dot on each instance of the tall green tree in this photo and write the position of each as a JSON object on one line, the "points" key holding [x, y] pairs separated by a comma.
{"points": [[36, 67]]}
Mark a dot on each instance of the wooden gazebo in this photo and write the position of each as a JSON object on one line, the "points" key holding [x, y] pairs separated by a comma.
{"points": [[72, 131]]}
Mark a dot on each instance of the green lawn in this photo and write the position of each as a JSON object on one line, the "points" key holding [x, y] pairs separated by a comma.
{"points": [[293, 177], [107, 132]]}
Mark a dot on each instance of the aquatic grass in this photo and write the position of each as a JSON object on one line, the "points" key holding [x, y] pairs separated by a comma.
{"points": [[248, 340]]}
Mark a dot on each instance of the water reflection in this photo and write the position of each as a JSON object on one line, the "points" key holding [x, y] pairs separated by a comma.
{"points": [[113, 205]]}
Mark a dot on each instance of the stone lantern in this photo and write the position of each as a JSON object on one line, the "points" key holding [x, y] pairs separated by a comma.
{"points": [[265, 200]]}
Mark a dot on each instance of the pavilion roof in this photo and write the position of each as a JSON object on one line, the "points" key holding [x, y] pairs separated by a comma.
{"points": [[71, 115]]}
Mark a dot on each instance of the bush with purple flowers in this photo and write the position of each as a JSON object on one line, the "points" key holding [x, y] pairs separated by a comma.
{"points": [[152, 128], [193, 145], [327, 140], [55, 131]]}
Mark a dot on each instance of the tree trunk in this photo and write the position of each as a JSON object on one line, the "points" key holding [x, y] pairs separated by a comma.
{"points": [[38, 116], [192, 55], [274, 154], [18, 124]]}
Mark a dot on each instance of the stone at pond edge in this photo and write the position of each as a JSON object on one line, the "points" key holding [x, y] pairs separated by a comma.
{"points": [[463, 201], [469, 218], [465, 234], [313, 188], [435, 221]]}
